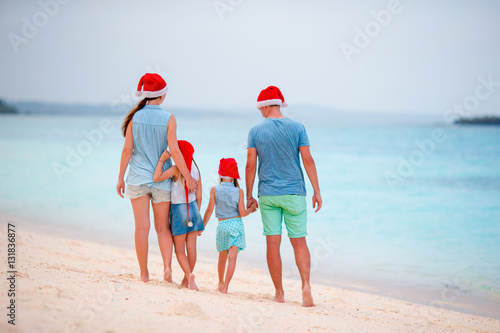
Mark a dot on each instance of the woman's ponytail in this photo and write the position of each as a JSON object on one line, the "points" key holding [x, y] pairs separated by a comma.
{"points": [[130, 115]]}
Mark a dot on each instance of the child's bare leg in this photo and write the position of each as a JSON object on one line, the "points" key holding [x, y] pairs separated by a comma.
{"points": [[191, 251], [231, 265], [140, 206], [222, 268], [180, 253], [161, 213]]}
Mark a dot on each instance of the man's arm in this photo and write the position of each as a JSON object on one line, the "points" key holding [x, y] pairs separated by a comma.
{"points": [[250, 175], [310, 167]]}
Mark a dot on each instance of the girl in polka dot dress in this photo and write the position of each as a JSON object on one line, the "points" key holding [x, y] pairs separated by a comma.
{"points": [[229, 209]]}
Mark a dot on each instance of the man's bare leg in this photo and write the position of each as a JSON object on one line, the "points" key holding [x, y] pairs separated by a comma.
{"points": [[275, 266], [303, 261]]}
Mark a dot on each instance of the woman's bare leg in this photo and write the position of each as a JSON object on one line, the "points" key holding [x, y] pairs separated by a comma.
{"points": [[140, 206], [161, 213]]}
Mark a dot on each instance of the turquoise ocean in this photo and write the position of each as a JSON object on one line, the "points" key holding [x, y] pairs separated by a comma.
{"points": [[410, 210]]}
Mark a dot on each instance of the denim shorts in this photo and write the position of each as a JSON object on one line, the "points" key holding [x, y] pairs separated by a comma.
{"points": [[157, 195], [178, 217]]}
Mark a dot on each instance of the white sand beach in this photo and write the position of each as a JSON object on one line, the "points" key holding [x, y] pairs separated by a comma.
{"points": [[68, 285]]}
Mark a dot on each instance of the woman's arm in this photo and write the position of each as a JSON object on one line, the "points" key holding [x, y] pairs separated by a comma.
{"points": [[199, 193], [210, 208], [241, 206], [128, 148], [177, 155]]}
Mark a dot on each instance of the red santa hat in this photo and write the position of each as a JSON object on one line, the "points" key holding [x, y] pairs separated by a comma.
{"points": [[187, 152], [228, 169], [271, 96], [151, 85]]}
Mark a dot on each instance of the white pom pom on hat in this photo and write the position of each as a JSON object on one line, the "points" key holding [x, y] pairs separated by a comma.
{"points": [[271, 96], [151, 85]]}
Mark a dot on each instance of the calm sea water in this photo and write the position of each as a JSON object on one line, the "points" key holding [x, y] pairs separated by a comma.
{"points": [[404, 214]]}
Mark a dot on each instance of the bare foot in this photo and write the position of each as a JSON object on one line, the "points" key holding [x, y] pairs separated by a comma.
{"points": [[185, 282], [145, 277], [223, 288], [219, 287], [167, 275], [192, 284], [307, 299], [280, 297]]}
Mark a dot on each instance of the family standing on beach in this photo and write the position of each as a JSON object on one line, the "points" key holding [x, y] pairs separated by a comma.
{"points": [[275, 147]]}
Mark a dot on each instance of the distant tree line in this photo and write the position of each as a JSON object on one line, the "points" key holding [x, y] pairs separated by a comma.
{"points": [[486, 120], [4, 108]]}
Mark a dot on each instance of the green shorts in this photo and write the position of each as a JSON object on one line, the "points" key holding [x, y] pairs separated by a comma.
{"points": [[291, 208]]}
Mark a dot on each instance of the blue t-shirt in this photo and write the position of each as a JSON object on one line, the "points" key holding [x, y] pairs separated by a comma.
{"points": [[277, 142]]}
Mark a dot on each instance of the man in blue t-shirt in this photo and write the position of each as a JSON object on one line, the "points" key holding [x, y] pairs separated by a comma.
{"points": [[277, 142]]}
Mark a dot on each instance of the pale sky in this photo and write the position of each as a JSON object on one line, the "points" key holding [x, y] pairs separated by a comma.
{"points": [[427, 57]]}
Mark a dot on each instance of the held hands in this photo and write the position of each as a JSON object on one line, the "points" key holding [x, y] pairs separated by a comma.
{"points": [[251, 201], [191, 184], [253, 207]]}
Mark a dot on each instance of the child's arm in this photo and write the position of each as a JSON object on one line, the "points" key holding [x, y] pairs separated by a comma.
{"points": [[159, 175], [210, 208], [199, 193], [241, 206]]}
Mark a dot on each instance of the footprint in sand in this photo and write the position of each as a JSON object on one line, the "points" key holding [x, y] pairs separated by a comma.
{"points": [[187, 309]]}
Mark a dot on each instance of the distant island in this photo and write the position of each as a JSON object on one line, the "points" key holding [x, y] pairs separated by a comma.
{"points": [[486, 120], [6, 109]]}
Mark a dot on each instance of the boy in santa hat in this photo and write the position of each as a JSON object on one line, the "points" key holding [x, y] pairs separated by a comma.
{"points": [[278, 143]]}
